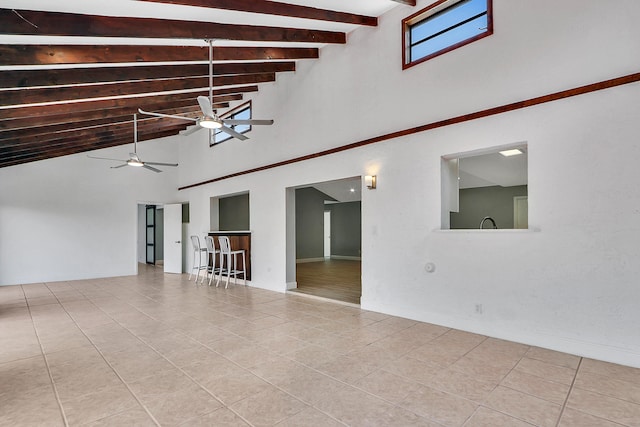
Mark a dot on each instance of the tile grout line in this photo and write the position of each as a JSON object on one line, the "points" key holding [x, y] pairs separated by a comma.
{"points": [[162, 356], [564, 405], [238, 365], [106, 361], [44, 356]]}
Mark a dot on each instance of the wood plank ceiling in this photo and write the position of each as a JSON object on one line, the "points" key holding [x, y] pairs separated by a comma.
{"points": [[70, 82]]}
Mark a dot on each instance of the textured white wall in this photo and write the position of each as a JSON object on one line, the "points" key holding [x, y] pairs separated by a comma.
{"points": [[570, 282], [75, 218]]}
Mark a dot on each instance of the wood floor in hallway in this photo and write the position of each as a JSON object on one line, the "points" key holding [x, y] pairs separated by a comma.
{"points": [[334, 279]]}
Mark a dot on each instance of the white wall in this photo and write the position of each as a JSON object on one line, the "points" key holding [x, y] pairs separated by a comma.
{"points": [[570, 282], [75, 218]]}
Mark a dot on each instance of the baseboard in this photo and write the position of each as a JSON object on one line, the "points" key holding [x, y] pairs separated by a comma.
{"points": [[292, 285], [570, 345], [345, 257], [303, 260]]}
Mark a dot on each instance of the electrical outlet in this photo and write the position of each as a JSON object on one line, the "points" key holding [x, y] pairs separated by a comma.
{"points": [[479, 308]]}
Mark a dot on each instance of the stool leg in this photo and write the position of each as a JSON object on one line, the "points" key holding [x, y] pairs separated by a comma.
{"points": [[199, 266], [206, 270], [231, 267], [221, 269], [244, 269], [193, 266]]}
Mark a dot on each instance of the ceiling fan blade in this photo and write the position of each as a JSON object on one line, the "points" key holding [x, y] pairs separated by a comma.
{"points": [[233, 133], [205, 106], [151, 168], [105, 158], [168, 116], [119, 166], [191, 130], [161, 164], [247, 122]]}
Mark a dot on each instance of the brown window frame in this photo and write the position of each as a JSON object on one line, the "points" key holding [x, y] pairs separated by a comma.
{"points": [[426, 13], [228, 115]]}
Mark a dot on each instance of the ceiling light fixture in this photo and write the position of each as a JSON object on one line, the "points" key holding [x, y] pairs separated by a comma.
{"points": [[512, 152], [136, 163], [209, 123]]}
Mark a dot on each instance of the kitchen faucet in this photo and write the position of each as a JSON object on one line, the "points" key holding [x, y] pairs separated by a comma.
{"points": [[489, 219]]}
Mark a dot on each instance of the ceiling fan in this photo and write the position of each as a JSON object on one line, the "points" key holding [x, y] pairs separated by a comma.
{"points": [[133, 159], [209, 119]]}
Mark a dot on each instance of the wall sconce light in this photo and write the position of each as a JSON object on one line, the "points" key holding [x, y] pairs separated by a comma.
{"points": [[370, 181]]}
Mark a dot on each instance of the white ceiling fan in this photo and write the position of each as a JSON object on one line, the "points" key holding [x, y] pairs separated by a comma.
{"points": [[209, 119], [133, 159]]}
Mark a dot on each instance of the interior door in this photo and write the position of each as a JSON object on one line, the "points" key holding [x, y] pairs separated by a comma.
{"points": [[173, 238], [327, 234], [151, 234]]}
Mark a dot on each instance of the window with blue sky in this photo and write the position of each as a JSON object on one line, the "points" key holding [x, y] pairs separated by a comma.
{"points": [[243, 113], [442, 27]]}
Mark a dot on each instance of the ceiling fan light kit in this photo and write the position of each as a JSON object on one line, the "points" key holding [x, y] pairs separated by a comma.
{"points": [[210, 123], [210, 119], [133, 159]]}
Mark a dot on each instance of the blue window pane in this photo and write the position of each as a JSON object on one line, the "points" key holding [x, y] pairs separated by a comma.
{"points": [[245, 114], [242, 115], [445, 40], [219, 136], [447, 19]]}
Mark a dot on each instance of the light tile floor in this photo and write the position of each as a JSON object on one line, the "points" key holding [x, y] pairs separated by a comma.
{"points": [[155, 349]]}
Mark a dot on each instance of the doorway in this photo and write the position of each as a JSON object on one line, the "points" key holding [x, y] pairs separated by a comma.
{"points": [[324, 239]]}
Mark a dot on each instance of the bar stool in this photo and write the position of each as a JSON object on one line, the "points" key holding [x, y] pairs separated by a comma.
{"points": [[211, 259], [229, 262], [197, 257]]}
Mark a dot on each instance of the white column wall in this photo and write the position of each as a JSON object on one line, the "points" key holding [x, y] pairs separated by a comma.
{"points": [[569, 283]]}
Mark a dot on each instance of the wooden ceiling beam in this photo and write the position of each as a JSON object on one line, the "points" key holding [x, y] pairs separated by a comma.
{"points": [[39, 111], [118, 115], [19, 145], [73, 76], [80, 148], [54, 94], [69, 24], [278, 8], [17, 55], [407, 2], [54, 123]]}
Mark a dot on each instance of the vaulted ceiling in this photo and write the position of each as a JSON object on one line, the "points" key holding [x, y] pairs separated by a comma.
{"points": [[73, 73]]}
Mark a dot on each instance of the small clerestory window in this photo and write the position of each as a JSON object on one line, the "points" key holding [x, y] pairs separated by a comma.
{"points": [[242, 112], [444, 26]]}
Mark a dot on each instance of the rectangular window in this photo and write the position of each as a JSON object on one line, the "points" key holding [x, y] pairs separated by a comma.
{"points": [[444, 26], [242, 112]]}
